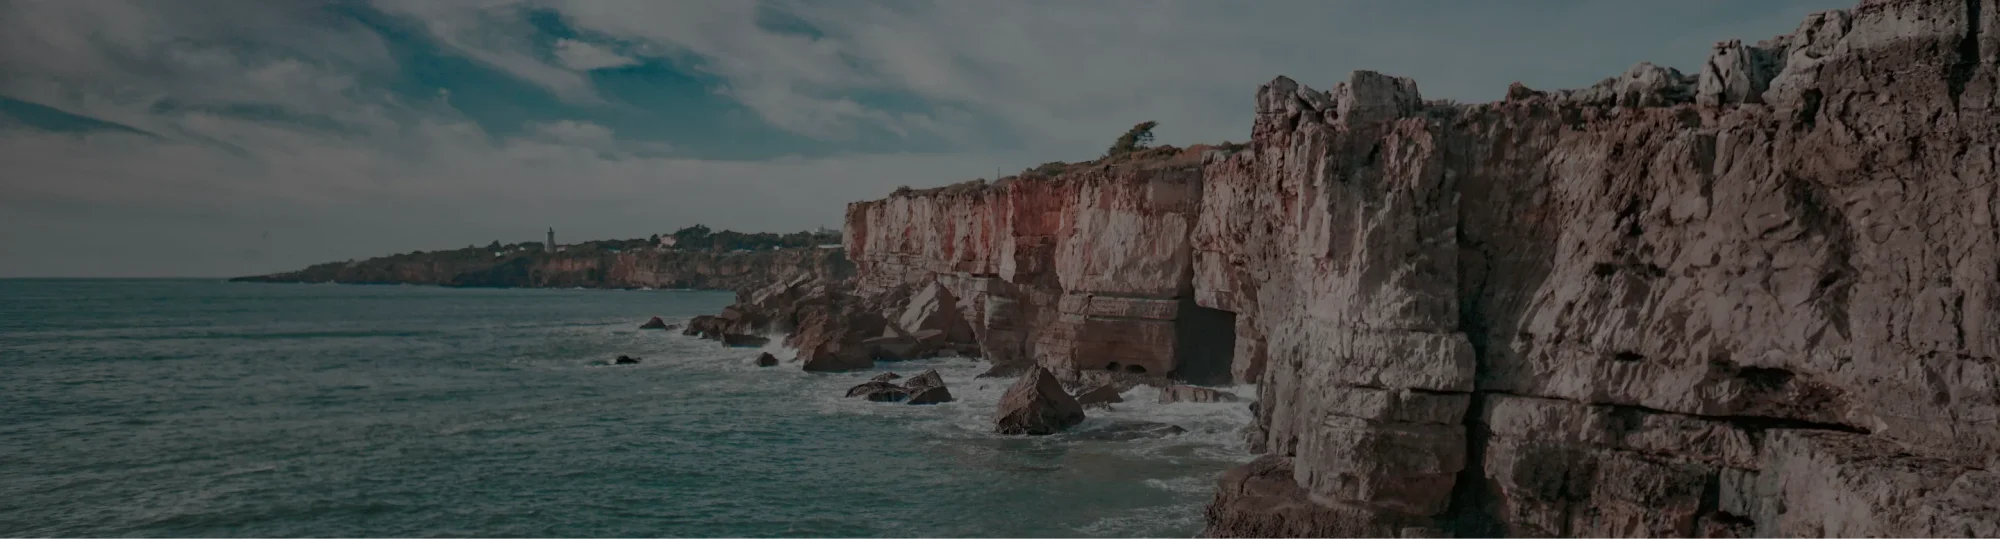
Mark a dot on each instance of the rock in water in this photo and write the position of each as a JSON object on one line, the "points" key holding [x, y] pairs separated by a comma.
{"points": [[1100, 396], [927, 388], [767, 360], [834, 357], [708, 327], [739, 339], [1036, 405], [929, 378], [1194, 394], [654, 323], [887, 376], [1125, 431], [625, 360], [928, 395], [879, 392]]}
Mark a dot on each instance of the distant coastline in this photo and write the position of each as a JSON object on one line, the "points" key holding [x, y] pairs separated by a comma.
{"points": [[694, 258]]}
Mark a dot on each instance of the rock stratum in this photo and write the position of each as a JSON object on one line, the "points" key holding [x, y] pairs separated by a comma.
{"points": [[640, 268], [1762, 299]]}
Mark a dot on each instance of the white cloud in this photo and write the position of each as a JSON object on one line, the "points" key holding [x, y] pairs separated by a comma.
{"points": [[583, 56]]}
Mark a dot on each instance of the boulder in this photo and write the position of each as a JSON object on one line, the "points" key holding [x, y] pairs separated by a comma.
{"points": [[1194, 394], [767, 360], [1036, 405], [625, 360], [933, 308], [1100, 396], [929, 378], [739, 339], [887, 376], [654, 323], [834, 357], [879, 392], [705, 326], [928, 395], [1125, 431]]}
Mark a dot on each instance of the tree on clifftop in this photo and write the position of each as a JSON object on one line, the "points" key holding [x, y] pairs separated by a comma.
{"points": [[1133, 140]]}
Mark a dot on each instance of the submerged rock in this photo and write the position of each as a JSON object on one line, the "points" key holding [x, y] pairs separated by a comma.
{"points": [[767, 360], [1194, 394], [625, 360], [1100, 396], [887, 376], [1036, 405], [1125, 431], [654, 323]]}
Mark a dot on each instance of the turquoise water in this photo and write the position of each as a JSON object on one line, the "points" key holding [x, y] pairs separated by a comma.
{"points": [[202, 408]]}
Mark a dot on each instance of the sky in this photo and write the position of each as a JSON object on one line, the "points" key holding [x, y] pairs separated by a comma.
{"points": [[151, 138]]}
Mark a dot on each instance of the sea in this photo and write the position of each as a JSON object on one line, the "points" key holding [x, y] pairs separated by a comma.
{"points": [[206, 408]]}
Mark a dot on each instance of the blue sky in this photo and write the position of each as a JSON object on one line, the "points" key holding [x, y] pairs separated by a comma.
{"points": [[153, 138]]}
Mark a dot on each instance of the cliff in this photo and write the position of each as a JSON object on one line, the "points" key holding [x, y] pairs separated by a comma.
{"points": [[1761, 299], [639, 268]]}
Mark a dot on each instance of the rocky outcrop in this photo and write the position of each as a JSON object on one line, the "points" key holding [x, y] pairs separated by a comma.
{"points": [[1036, 405], [1087, 270], [586, 268], [654, 323], [926, 388], [1723, 305], [1762, 299], [766, 360]]}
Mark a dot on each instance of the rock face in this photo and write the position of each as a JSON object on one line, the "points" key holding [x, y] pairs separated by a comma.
{"points": [[1758, 301], [1088, 270], [1036, 405], [643, 268]]}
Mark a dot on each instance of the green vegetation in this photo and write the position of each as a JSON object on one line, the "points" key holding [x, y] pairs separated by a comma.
{"points": [[700, 237], [1135, 139]]}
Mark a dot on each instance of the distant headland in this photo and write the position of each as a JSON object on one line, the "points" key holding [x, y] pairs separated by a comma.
{"points": [[695, 257]]}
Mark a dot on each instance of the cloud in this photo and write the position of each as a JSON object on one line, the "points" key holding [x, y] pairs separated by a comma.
{"points": [[583, 56]]}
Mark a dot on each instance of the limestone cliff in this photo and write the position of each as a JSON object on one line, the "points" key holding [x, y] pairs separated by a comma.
{"points": [[1760, 299], [643, 268]]}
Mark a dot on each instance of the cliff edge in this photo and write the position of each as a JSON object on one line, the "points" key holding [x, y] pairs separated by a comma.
{"points": [[1759, 299]]}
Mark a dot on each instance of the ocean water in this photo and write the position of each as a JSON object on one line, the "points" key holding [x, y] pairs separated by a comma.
{"points": [[203, 408]]}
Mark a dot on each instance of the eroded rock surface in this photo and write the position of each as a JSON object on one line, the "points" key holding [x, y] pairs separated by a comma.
{"points": [[1036, 405], [1721, 305]]}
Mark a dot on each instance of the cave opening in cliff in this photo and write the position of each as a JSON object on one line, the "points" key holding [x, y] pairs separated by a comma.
{"points": [[1205, 340]]}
